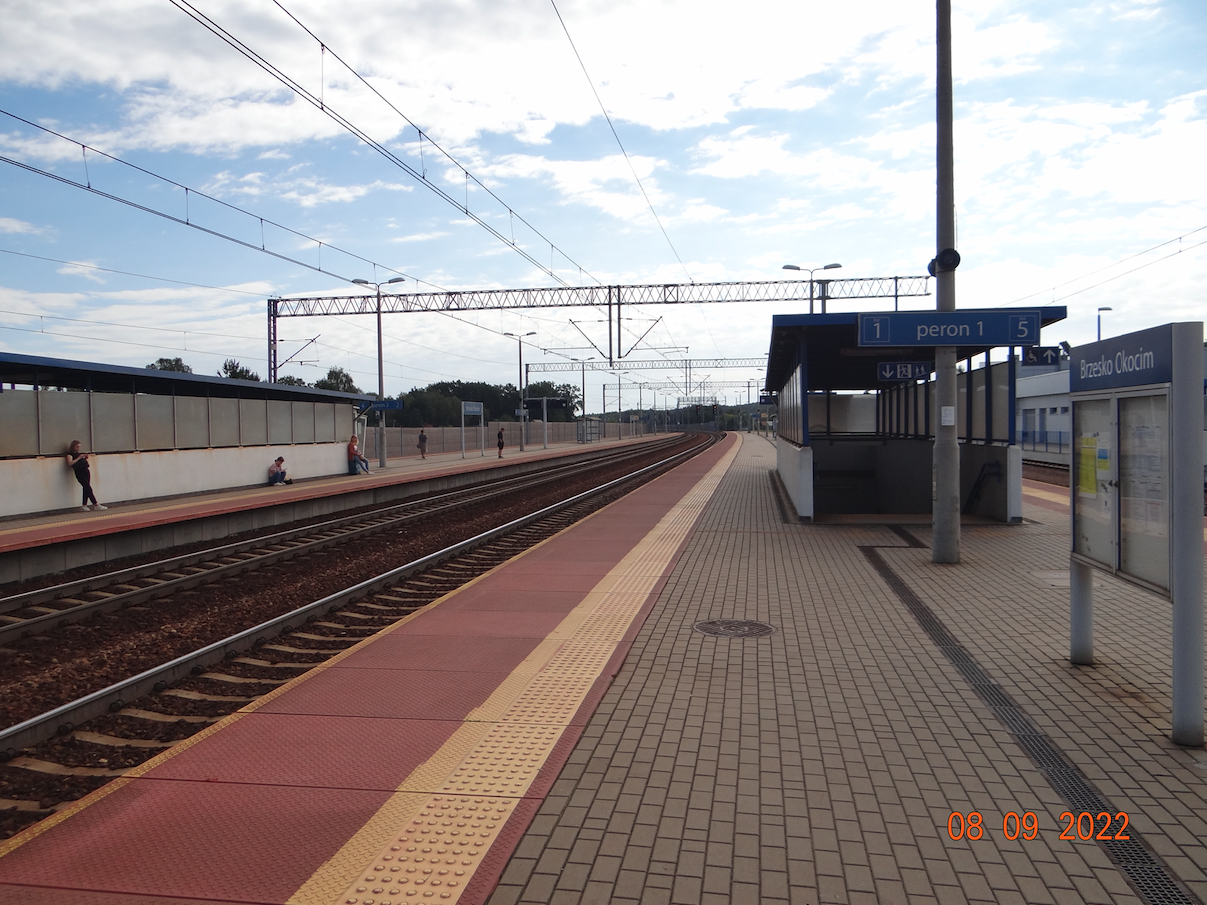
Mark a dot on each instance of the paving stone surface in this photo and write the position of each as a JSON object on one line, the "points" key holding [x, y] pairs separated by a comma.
{"points": [[822, 763]]}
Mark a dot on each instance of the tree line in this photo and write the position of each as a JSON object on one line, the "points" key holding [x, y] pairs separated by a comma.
{"points": [[436, 405]]}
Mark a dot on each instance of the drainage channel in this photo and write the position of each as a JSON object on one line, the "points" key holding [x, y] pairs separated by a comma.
{"points": [[1147, 874]]}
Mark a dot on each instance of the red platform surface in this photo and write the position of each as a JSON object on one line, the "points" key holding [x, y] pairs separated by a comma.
{"points": [[248, 813]]}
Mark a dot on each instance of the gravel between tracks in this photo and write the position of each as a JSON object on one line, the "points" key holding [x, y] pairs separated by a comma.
{"points": [[44, 671]]}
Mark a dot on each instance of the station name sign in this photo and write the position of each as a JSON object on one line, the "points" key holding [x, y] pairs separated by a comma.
{"points": [[1136, 359], [970, 327]]}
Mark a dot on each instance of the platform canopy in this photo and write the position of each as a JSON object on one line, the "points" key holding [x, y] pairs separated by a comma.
{"points": [[46, 373], [834, 360]]}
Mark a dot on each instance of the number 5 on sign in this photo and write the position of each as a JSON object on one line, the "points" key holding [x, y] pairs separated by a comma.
{"points": [[1024, 329]]}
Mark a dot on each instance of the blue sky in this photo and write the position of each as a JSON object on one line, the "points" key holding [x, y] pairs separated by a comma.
{"points": [[784, 133]]}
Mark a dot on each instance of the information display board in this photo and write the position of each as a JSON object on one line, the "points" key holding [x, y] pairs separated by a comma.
{"points": [[1136, 491], [967, 327]]}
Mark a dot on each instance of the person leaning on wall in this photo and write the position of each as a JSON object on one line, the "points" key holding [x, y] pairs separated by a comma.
{"points": [[77, 461]]}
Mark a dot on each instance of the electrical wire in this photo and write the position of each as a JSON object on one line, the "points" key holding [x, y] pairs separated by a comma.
{"points": [[1053, 289], [620, 144], [319, 103], [88, 187], [127, 273]]}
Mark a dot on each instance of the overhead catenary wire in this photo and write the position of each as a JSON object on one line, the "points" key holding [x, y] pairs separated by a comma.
{"points": [[127, 273], [186, 222], [1117, 276], [319, 103], [619, 143]]}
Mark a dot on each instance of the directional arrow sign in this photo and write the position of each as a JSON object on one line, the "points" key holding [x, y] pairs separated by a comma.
{"points": [[903, 370], [1041, 355], [993, 327]]}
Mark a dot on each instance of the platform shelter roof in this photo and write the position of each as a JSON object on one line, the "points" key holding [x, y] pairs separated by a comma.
{"points": [[37, 371], [834, 360]]}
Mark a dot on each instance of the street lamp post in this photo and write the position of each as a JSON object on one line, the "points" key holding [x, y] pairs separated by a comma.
{"points": [[811, 271], [519, 338], [381, 372], [1100, 310]]}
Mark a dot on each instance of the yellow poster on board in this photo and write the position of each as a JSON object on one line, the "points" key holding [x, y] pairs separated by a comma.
{"points": [[1087, 467]]}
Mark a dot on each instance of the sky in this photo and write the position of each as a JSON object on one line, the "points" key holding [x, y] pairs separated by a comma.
{"points": [[789, 132]]}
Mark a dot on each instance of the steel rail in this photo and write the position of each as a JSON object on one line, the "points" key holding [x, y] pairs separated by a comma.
{"points": [[208, 565], [63, 719]]}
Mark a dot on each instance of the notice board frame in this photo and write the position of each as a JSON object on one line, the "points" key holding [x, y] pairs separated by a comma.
{"points": [[1162, 362]]}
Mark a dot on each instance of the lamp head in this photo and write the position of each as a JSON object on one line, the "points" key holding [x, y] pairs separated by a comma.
{"points": [[791, 267], [362, 282], [831, 267]]}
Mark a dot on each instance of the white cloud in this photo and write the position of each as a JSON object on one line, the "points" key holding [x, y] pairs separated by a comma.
{"points": [[307, 191], [419, 237], [12, 225], [82, 270]]}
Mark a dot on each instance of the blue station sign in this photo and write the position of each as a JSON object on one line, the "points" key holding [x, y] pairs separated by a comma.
{"points": [[1136, 359], [384, 404], [471, 408], [970, 327], [1041, 355], [904, 370]]}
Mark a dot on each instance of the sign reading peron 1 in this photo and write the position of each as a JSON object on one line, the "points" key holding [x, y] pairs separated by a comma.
{"points": [[970, 327]]}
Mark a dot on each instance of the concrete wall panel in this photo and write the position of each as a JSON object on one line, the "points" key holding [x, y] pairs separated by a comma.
{"points": [[192, 422], [19, 416], [64, 418], [253, 422], [303, 422], [112, 422], [324, 422], [224, 422], [280, 421], [155, 421]]}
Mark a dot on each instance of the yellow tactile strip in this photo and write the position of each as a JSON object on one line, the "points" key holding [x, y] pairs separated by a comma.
{"points": [[514, 731]]}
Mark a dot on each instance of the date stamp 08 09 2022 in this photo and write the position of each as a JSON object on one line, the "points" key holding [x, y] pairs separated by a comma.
{"points": [[1082, 827]]}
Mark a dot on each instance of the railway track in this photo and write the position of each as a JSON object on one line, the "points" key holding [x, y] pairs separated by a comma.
{"points": [[54, 607], [83, 744]]}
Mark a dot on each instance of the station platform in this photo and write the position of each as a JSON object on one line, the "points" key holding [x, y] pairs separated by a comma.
{"points": [[566, 710], [55, 542]]}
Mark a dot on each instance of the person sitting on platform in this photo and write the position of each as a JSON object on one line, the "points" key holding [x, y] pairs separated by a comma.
{"points": [[78, 462], [276, 473], [356, 462]]}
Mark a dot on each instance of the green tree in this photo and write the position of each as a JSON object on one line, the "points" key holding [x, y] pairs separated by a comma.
{"points": [[337, 380], [232, 370], [169, 364], [290, 381], [565, 391]]}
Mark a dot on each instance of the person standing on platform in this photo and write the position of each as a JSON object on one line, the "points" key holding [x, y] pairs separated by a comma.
{"points": [[422, 444], [78, 462], [500, 442], [276, 473], [356, 462]]}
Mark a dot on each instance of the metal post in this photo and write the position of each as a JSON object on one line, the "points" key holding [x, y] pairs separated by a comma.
{"points": [[545, 416], [1185, 536], [381, 391], [272, 340], [520, 382], [1011, 398], [1081, 614], [945, 542]]}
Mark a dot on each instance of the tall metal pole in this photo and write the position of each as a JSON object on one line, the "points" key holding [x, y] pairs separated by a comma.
{"points": [[520, 385], [945, 541], [381, 391]]}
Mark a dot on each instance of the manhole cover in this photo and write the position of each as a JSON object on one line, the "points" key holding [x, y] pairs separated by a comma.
{"points": [[734, 628]]}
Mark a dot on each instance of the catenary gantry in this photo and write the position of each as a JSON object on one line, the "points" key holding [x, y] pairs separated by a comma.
{"points": [[611, 297]]}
